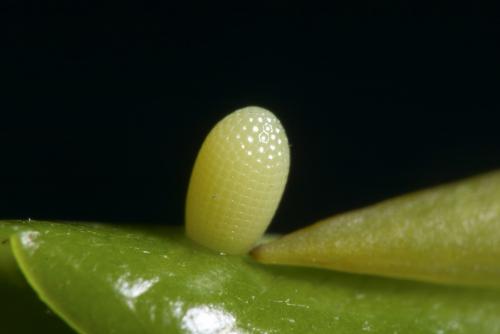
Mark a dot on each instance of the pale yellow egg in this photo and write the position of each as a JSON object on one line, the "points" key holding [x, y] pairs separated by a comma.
{"points": [[237, 181]]}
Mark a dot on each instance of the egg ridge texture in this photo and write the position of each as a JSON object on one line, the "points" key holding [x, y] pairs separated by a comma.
{"points": [[237, 181]]}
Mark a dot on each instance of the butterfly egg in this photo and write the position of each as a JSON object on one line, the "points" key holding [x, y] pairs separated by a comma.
{"points": [[237, 181]]}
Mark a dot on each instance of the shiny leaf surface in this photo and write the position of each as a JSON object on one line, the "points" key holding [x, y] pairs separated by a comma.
{"points": [[21, 311], [109, 279]]}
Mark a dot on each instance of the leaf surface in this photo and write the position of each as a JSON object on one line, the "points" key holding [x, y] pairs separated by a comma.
{"points": [[449, 234], [21, 311], [118, 279]]}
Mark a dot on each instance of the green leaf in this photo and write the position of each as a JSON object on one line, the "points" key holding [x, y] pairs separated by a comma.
{"points": [[449, 234], [21, 311], [109, 279]]}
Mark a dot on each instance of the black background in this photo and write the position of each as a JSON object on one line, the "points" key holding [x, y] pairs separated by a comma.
{"points": [[104, 108]]}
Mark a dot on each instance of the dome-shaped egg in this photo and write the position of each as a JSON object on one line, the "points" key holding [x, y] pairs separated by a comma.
{"points": [[237, 181]]}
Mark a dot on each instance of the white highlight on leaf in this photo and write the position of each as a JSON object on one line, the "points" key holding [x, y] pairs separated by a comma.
{"points": [[133, 289], [28, 240], [208, 319]]}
